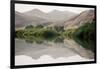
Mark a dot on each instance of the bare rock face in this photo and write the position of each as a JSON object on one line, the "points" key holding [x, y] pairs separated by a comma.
{"points": [[86, 16]]}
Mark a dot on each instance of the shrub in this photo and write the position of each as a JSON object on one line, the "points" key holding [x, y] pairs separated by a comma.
{"points": [[29, 27]]}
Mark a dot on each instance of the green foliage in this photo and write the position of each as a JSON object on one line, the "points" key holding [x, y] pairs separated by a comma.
{"points": [[36, 32], [39, 26], [69, 33], [86, 31], [59, 39], [59, 28], [49, 33], [19, 34], [86, 35], [29, 27]]}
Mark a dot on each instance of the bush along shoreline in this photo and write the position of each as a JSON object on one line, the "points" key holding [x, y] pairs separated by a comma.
{"points": [[85, 35]]}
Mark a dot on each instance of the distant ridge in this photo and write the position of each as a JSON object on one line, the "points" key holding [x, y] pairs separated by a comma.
{"points": [[22, 20], [54, 18]]}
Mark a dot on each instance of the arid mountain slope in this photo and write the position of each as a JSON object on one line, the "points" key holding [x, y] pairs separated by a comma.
{"points": [[80, 19]]}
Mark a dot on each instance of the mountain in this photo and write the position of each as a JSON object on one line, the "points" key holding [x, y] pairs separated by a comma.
{"points": [[36, 12], [22, 20], [85, 16], [54, 16]]}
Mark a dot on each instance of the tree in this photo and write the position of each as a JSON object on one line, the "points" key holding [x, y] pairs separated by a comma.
{"points": [[29, 27], [39, 26], [59, 28]]}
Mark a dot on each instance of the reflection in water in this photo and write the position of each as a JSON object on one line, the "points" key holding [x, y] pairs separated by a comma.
{"points": [[56, 48], [83, 52], [87, 43], [41, 40], [45, 59]]}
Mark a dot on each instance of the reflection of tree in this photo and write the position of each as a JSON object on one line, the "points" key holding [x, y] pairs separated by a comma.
{"points": [[41, 40], [59, 40], [34, 39], [29, 40], [84, 35], [88, 44]]}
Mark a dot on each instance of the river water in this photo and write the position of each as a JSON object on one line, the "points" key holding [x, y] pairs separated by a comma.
{"points": [[28, 52]]}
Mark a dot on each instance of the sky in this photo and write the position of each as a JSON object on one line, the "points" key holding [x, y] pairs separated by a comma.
{"points": [[45, 8]]}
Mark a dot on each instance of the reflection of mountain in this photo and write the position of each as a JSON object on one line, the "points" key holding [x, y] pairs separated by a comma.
{"points": [[46, 59], [66, 49], [83, 52], [37, 50]]}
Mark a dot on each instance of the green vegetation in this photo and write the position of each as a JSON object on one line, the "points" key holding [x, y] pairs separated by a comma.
{"points": [[69, 33], [47, 33], [84, 35], [29, 27]]}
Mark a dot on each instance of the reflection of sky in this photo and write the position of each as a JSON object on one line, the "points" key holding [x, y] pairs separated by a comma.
{"points": [[26, 7], [26, 60]]}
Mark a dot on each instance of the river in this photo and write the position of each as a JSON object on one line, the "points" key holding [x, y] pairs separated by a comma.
{"points": [[28, 52]]}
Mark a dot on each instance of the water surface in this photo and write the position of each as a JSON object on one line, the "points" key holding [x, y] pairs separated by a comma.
{"points": [[56, 51]]}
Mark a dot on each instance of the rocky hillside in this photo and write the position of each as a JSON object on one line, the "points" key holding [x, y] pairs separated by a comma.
{"points": [[80, 19]]}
